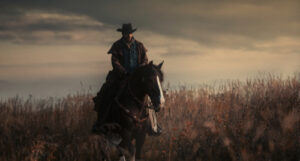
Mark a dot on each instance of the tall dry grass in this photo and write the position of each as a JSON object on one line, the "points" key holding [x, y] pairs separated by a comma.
{"points": [[254, 120]]}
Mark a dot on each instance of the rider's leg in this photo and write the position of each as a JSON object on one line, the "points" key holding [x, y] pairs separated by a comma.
{"points": [[99, 100], [101, 103]]}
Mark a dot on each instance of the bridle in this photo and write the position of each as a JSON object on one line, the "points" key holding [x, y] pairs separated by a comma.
{"points": [[134, 117]]}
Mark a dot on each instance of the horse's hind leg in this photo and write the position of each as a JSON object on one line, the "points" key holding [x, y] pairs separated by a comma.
{"points": [[140, 140]]}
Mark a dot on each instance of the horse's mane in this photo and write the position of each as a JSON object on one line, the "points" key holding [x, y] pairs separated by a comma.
{"points": [[150, 69]]}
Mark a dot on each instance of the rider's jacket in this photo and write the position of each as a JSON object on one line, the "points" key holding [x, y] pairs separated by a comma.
{"points": [[126, 58]]}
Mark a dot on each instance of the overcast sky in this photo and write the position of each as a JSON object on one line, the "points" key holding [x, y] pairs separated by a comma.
{"points": [[49, 47]]}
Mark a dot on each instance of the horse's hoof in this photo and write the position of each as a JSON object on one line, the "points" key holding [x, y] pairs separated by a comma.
{"points": [[122, 158], [115, 139]]}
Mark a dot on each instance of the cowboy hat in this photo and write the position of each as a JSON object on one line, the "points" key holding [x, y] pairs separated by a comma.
{"points": [[126, 28]]}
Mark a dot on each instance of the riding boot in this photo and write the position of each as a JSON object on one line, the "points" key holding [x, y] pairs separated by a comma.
{"points": [[99, 100]]}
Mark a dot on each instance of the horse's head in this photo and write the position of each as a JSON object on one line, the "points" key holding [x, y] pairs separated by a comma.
{"points": [[151, 77]]}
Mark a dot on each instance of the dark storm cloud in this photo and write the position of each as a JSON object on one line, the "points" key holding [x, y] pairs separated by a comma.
{"points": [[228, 24], [47, 27]]}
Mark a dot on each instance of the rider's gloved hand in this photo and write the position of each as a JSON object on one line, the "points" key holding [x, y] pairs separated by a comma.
{"points": [[124, 74], [127, 74]]}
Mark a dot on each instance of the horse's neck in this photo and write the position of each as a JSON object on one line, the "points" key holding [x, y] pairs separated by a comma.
{"points": [[133, 93], [137, 90]]}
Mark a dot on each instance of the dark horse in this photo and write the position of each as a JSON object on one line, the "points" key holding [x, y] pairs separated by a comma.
{"points": [[128, 109]]}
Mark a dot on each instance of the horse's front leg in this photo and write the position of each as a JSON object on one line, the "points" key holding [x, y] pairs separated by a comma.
{"points": [[130, 152], [128, 145]]}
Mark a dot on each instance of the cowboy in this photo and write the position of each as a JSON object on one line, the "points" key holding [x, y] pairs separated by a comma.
{"points": [[126, 55]]}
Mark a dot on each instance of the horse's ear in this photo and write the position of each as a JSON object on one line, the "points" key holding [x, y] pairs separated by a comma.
{"points": [[151, 62], [160, 65]]}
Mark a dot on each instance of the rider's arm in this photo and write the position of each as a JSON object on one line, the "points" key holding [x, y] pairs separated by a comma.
{"points": [[115, 59], [117, 65]]}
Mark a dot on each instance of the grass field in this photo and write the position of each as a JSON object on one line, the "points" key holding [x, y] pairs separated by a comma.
{"points": [[257, 119]]}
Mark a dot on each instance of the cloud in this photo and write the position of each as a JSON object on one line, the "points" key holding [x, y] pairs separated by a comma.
{"points": [[52, 70], [44, 27], [49, 21], [215, 24], [30, 61]]}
